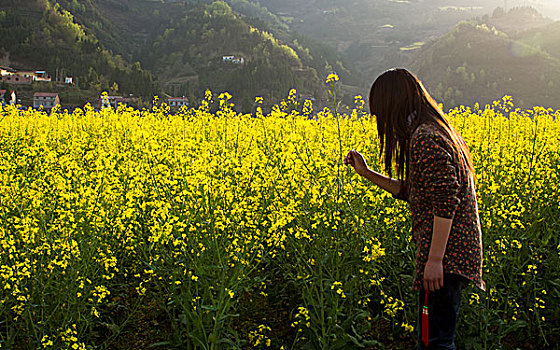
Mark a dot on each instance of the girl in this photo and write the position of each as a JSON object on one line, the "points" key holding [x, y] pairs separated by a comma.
{"points": [[435, 175]]}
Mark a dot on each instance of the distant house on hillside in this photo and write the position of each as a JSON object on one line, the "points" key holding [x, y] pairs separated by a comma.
{"points": [[178, 102], [16, 79], [26, 74], [13, 76], [6, 70], [41, 75], [45, 99], [233, 59], [112, 101], [69, 80], [7, 100]]}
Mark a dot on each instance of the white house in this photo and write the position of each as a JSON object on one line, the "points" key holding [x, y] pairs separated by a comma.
{"points": [[69, 81], [6, 71], [233, 59], [41, 75], [8, 100], [13, 76], [178, 102]]}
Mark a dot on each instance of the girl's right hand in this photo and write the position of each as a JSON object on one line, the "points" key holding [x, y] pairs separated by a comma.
{"points": [[357, 161]]}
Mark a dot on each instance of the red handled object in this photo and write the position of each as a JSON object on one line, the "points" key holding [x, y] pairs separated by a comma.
{"points": [[425, 323]]}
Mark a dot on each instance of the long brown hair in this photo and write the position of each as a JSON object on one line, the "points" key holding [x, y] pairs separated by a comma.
{"points": [[400, 103]]}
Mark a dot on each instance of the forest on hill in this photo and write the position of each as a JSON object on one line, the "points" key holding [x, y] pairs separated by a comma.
{"points": [[148, 48], [512, 50], [43, 35], [374, 35], [462, 51], [515, 53], [183, 44]]}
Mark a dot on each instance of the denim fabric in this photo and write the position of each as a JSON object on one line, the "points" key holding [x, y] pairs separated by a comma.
{"points": [[443, 306]]}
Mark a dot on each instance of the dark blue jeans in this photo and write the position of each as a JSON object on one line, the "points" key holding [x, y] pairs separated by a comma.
{"points": [[443, 306]]}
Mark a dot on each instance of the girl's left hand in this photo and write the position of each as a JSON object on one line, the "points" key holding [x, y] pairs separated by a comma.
{"points": [[357, 161], [433, 275]]}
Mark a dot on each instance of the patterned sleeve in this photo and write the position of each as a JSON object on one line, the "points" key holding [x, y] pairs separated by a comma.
{"points": [[437, 171]]}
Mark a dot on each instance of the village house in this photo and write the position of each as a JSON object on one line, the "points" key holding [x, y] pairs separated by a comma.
{"points": [[8, 100], [45, 99], [178, 102], [112, 101], [69, 81], [16, 79], [41, 75], [25, 74], [233, 59], [13, 76], [6, 70]]}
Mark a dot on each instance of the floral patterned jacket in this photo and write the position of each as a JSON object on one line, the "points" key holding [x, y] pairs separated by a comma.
{"points": [[437, 187]]}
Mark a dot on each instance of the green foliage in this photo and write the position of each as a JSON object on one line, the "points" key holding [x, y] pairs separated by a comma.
{"points": [[193, 48], [49, 38], [484, 63], [254, 9], [370, 33], [181, 43]]}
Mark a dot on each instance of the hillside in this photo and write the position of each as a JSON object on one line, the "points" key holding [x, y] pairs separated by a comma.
{"points": [[374, 35], [146, 47], [189, 57], [44, 35], [545, 38], [477, 62], [180, 43]]}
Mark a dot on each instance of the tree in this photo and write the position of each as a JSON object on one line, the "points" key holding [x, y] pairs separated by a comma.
{"points": [[498, 12]]}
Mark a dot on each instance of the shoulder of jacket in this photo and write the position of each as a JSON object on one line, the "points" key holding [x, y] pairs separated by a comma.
{"points": [[430, 136], [427, 131]]}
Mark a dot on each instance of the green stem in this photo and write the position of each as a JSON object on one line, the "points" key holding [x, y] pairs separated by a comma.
{"points": [[340, 159]]}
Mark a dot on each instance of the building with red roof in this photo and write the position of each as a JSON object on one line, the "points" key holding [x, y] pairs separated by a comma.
{"points": [[47, 100], [177, 102]]}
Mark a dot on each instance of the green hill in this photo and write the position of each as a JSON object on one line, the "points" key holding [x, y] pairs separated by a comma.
{"points": [[188, 57], [545, 38], [374, 35], [477, 62], [44, 35], [183, 43], [177, 44], [147, 47]]}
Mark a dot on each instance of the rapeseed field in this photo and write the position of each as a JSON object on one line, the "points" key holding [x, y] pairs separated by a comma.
{"points": [[212, 229]]}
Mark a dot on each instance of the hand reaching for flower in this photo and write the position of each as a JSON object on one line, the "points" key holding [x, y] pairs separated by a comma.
{"points": [[357, 161]]}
